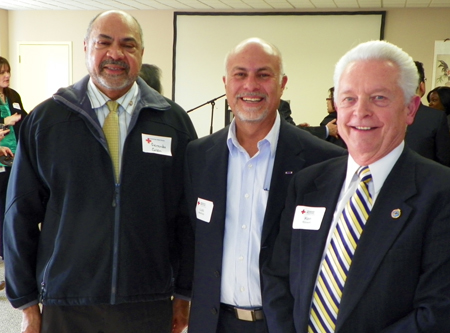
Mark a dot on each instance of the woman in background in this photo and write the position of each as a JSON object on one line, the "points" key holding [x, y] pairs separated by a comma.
{"points": [[439, 98], [11, 112]]}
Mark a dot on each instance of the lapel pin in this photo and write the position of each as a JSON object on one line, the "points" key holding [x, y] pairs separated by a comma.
{"points": [[288, 172], [396, 213]]}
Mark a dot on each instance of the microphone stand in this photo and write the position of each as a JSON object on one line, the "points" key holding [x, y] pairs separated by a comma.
{"points": [[213, 103]]}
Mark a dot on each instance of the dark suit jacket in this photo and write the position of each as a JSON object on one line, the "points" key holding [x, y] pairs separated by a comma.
{"points": [[337, 141], [319, 131], [285, 112], [429, 135], [207, 167], [399, 277]]}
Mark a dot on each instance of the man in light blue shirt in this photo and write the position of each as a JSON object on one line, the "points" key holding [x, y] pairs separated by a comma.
{"points": [[236, 183]]}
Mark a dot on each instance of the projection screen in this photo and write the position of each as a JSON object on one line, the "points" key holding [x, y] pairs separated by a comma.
{"points": [[310, 43]]}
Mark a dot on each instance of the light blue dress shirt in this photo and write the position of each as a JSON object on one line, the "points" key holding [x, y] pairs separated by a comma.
{"points": [[248, 186]]}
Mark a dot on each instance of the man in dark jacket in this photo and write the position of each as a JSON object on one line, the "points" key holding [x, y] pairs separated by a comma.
{"points": [[429, 134], [237, 180], [115, 243]]}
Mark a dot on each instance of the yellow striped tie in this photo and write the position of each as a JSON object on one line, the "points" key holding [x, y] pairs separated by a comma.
{"points": [[111, 130], [338, 257]]}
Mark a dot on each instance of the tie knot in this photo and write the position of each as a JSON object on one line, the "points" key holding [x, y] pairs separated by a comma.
{"points": [[364, 174], [112, 106]]}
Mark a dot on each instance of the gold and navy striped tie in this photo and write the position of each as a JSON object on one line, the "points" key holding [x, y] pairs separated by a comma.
{"points": [[111, 130], [338, 258]]}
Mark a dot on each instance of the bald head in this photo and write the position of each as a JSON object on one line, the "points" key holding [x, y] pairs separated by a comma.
{"points": [[255, 42], [131, 20]]}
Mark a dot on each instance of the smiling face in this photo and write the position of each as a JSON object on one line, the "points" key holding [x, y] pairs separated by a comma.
{"points": [[372, 111], [114, 53], [253, 84], [5, 76]]}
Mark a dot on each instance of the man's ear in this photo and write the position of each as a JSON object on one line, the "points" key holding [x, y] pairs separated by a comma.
{"points": [[421, 89], [284, 80], [413, 106]]}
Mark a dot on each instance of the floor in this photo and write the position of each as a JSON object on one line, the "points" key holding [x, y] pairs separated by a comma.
{"points": [[10, 318]]}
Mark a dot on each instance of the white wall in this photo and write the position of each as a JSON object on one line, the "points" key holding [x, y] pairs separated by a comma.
{"points": [[26, 26], [4, 50], [415, 30]]}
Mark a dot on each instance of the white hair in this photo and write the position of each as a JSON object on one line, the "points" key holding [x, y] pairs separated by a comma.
{"points": [[381, 50]]}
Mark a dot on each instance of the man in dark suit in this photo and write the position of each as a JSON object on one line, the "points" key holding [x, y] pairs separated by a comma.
{"points": [[237, 179], [371, 255], [429, 134]]}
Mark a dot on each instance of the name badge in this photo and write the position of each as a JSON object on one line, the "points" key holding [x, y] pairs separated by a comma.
{"points": [[154, 144], [308, 218], [204, 209], [16, 106]]}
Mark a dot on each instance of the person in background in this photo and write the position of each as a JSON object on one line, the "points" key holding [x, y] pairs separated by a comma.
{"points": [[100, 164], [285, 111], [331, 119], [429, 134], [364, 240], [151, 74], [439, 98], [11, 112], [328, 128], [236, 183]]}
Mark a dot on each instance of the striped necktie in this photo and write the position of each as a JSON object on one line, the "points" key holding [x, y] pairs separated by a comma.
{"points": [[111, 130], [338, 258]]}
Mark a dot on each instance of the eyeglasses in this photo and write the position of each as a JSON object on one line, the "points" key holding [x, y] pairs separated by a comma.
{"points": [[329, 99]]}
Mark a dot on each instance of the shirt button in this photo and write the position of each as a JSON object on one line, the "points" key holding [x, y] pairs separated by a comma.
{"points": [[244, 226], [241, 258], [250, 166], [242, 289], [246, 195]]}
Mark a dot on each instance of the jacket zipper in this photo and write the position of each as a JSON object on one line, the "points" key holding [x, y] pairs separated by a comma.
{"points": [[115, 259], [44, 278]]}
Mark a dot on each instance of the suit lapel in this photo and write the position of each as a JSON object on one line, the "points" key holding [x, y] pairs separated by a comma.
{"points": [[288, 160], [311, 243], [380, 233], [214, 186]]}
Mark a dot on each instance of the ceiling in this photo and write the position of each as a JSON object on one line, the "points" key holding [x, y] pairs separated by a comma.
{"points": [[221, 5]]}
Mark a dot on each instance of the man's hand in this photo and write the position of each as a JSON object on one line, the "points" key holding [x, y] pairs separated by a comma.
{"points": [[303, 125], [31, 319], [332, 129], [180, 315]]}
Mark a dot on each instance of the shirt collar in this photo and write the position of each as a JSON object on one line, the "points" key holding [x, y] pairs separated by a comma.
{"points": [[271, 138], [99, 99], [379, 169]]}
